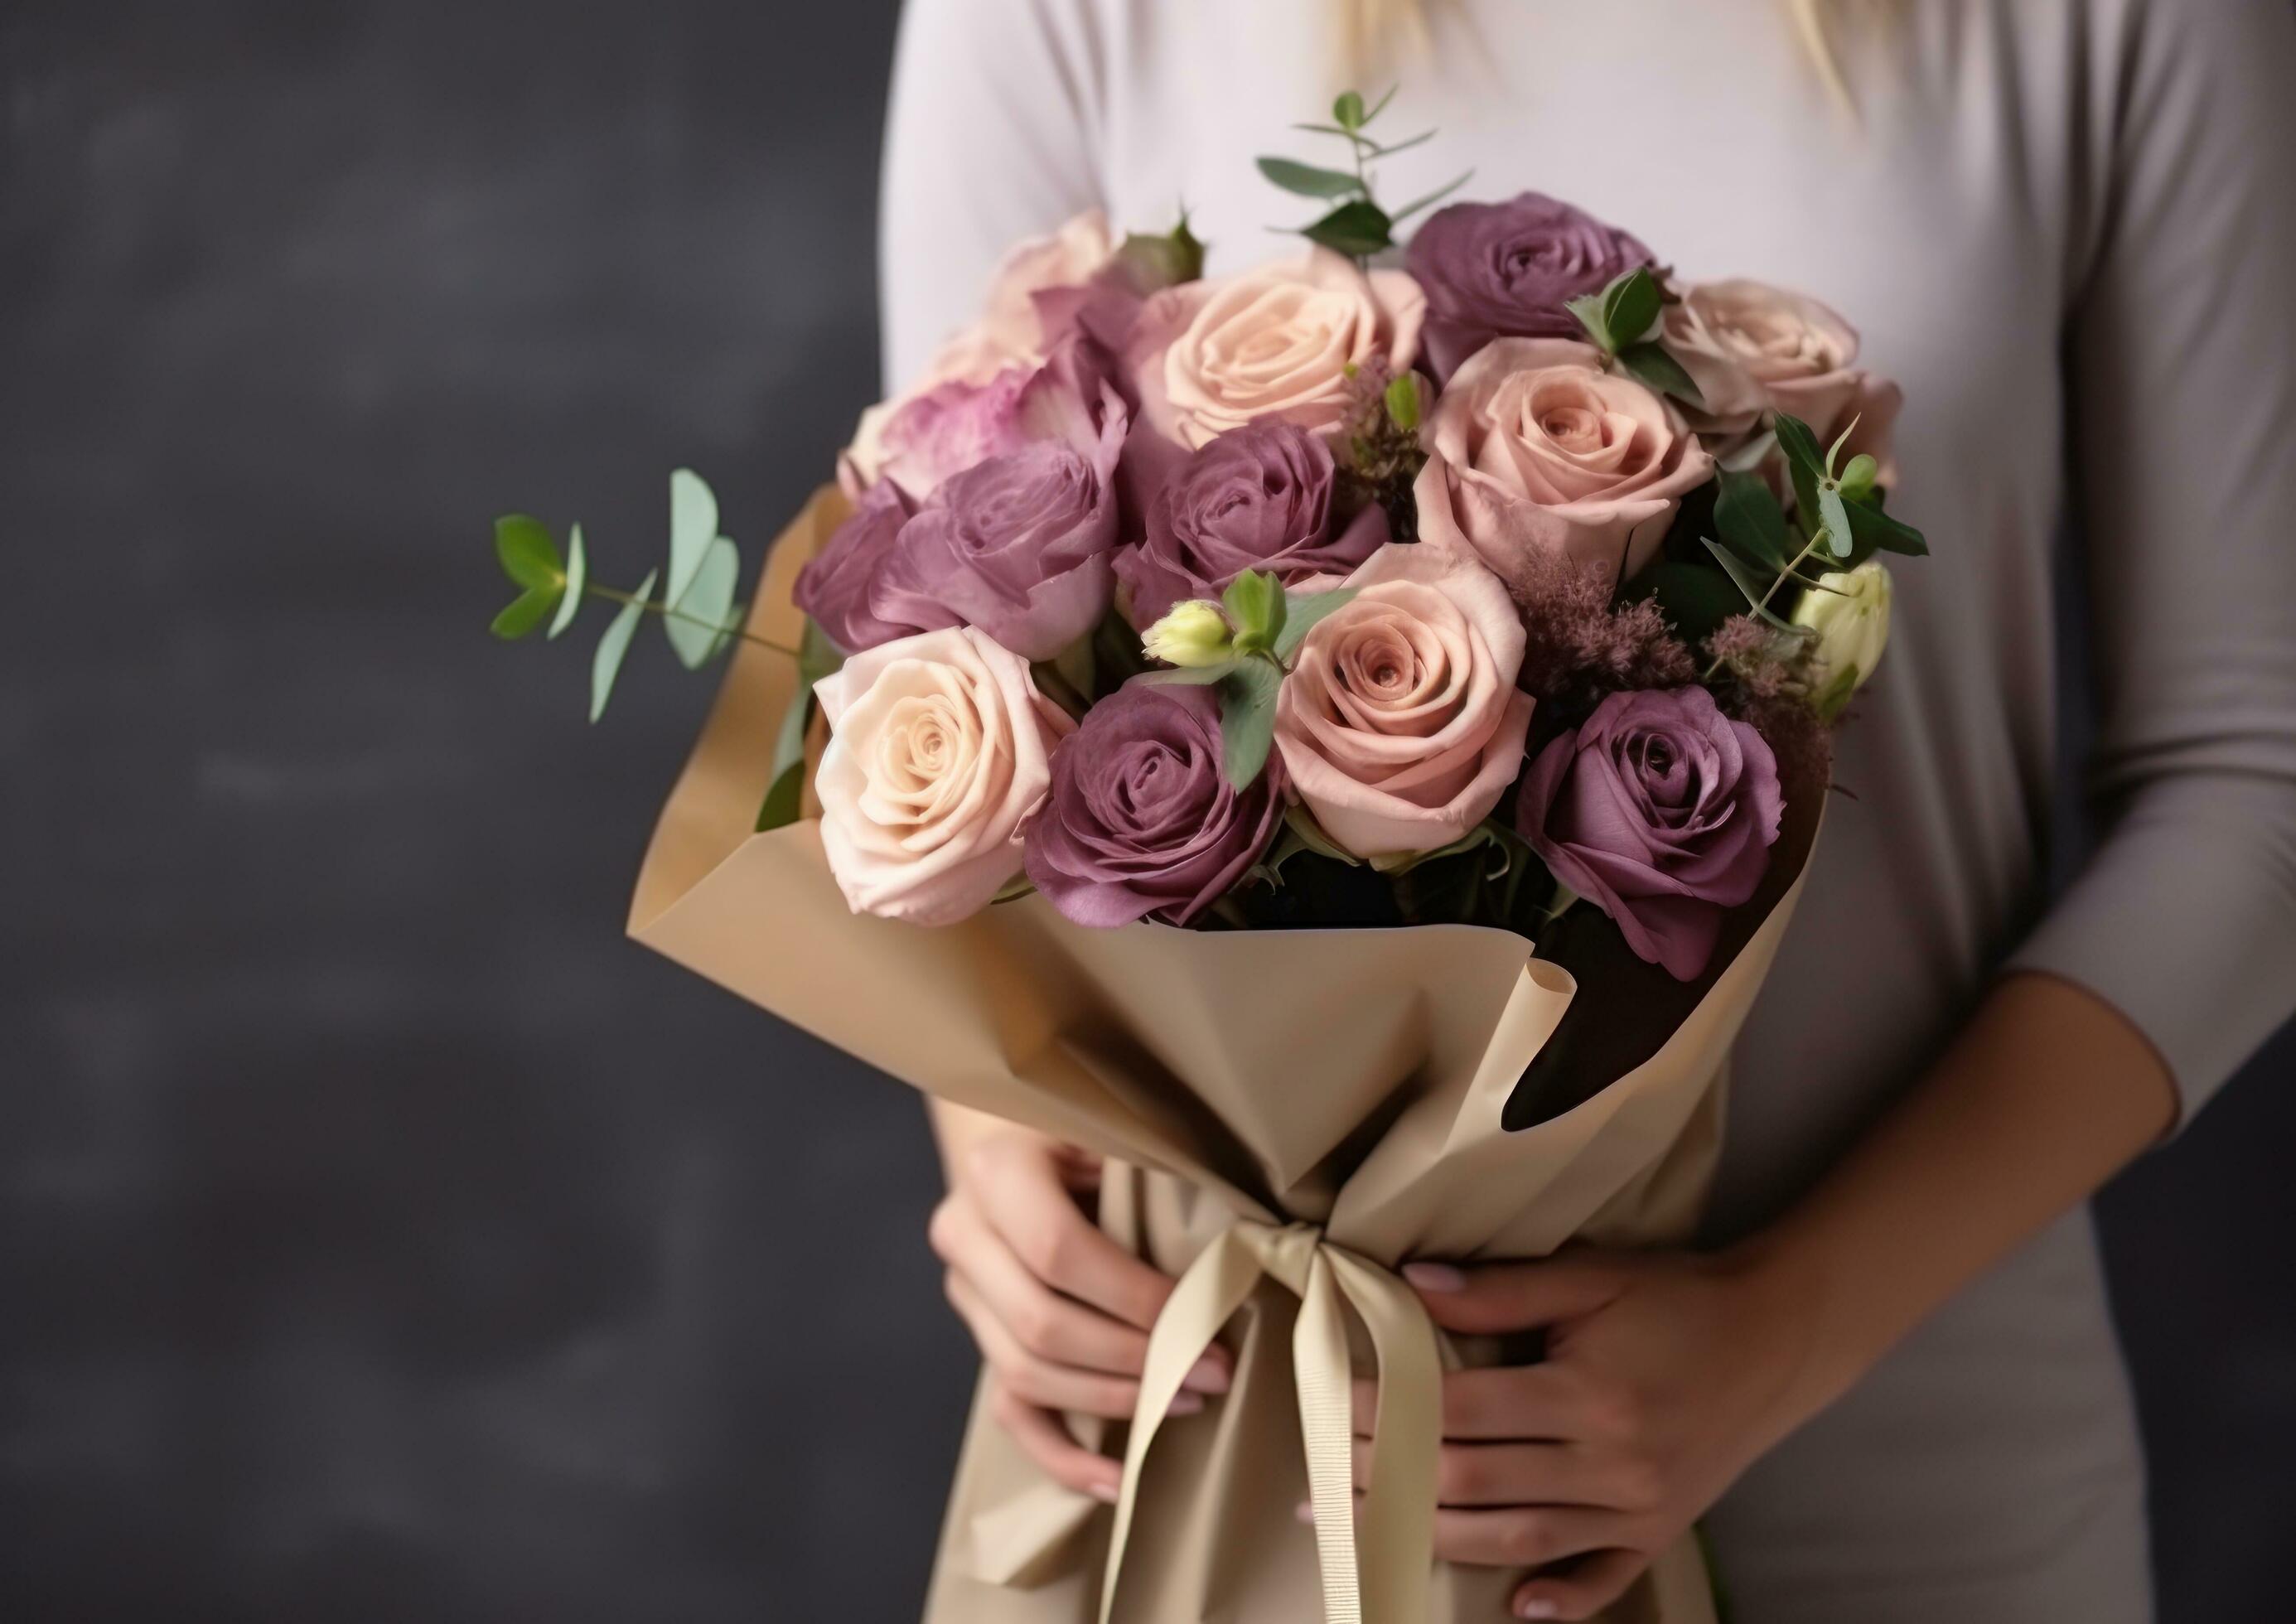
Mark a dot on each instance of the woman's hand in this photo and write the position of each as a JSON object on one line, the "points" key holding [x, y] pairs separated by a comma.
{"points": [[1666, 1376], [1061, 1313]]}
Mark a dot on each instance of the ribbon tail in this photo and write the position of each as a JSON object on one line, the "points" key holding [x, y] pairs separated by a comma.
{"points": [[1321, 1370], [1214, 1287], [1398, 1545]]}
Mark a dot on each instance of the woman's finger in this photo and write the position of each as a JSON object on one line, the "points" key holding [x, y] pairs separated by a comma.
{"points": [[1523, 1474], [1587, 1588], [1528, 1536], [1515, 1403], [1040, 1382], [1494, 1298], [1045, 1441], [1054, 1328], [1025, 1203]]}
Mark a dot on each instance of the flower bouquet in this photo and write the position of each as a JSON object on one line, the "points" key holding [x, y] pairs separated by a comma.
{"points": [[1341, 742]]}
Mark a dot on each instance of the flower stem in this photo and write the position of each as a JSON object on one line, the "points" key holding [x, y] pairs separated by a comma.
{"points": [[614, 596], [1784, 576]]}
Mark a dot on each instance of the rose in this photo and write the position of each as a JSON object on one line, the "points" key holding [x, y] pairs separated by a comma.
{"points": [[1141, 820], [1401, 725], [938, 748], [1258, 497], [1279, 341], [1849, 611], [1010, 333], [834, 585], [1536, 451], [1018, 546], [961, 424], [1508, 270], [1660, 811], [1750, 348]]}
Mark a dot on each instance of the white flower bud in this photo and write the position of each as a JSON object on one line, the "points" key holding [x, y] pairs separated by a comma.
{"points": [[1193, 633], [1852, 623]]}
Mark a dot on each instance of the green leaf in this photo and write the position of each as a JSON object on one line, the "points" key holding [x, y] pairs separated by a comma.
{"points": [[1807, 464], [1348, 111], [1872, 531], [709, 598], [1306, 180], [1404, 145], [1751, 521], [1247, 703], [528, 554], [1834, 512], [785, 788], [1694, 598], [1401, 399], [1306, 609], [1358, 229], [1588, 308], [1157, 263], [1190, 676], [606, 664], [1432, 198], [1655, 365], [1380, 106], [577, 576], [1256, 608], [524, 612], [1631, 306], [693, 527], [1312, 837], [1743, 578]]}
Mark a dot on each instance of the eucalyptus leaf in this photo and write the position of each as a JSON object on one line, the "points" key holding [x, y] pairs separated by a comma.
{"points": [[1380, 106], [1358, 230], [524, 612], [606, 664], [708, 599], [1655, 365], [527, 555], [1872, 531], [1631, 306], [578, 576], [1753, 589], [1431, 199], [1306, 180], [1835, 514], [1247, 703], [693, 527], [786, 786], [1806, 465], [1588, 309], [1747, 513], [1348, 111], [1304, 610]]}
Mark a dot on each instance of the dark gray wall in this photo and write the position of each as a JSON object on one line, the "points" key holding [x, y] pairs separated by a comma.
{"points": [[384, 1238]]}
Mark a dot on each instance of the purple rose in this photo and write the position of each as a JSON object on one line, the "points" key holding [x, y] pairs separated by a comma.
{"points": [[1507, 270], [1660, 811], [963, 422], [1258, 497], [833, 587], [1141, 819]]}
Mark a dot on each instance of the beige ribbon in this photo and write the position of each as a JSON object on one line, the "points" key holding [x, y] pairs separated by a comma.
{"points": [[1398, 1512]]}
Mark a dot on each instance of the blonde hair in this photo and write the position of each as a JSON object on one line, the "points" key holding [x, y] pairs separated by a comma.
{"points": [[1373, 25]]}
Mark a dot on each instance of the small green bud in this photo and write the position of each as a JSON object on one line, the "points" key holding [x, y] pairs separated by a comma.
{"points": [[1255, 604], [1348, 111], [1403, 402], [1858, 479], [1191, 634]]}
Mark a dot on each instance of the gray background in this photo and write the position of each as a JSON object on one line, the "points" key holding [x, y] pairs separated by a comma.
{"points": [[383, 1237]]}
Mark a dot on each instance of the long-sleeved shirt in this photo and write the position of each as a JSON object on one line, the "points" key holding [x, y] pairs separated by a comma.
{"points": [[2068, 227]]}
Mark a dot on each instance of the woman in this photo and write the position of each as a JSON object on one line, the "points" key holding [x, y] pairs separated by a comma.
{"points": [[2068, 228]]}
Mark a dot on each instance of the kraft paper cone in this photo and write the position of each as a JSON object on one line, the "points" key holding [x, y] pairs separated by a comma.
{"points": [[1291, 1114]]}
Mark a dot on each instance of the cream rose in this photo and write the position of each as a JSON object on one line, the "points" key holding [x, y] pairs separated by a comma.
{"points": [[1752, 347], [1401, 725], [1007, 336], [938, 748], [1536, 451], [1280, 342]]}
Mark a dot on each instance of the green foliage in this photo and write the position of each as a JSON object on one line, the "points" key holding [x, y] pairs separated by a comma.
{"points": [[1358, 230], [702, 622], [606, 664], [1630, 307], [1306, 180], [1247, 705], [693, 527], [1256, 608], [1304, 610], [1357, 226], [526, 552], [1694, 598], [578, 581], [524, 612], [1653, 363], [1153, 264], [818, 657], [1401, 400], [1752, 523], [1833, 514], [1756, 593]]}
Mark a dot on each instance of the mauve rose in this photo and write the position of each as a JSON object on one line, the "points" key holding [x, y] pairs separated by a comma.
{"points": [[1537, 453], [1258, 497], [1660, 811], [833, 586], [1141, 820], [1507, 270], [1401, 725], [1749, 348], [961, 424]]}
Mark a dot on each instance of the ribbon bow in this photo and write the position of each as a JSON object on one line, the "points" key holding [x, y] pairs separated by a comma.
{"points": [[1398, 1508]]}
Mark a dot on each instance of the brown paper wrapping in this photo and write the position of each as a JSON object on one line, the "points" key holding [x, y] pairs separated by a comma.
{"points": [[1342, 1088]]}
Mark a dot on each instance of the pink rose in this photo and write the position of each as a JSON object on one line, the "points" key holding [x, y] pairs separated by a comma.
{"points": [[1279, 341], [1400, 726], [1535, 452], [1010, 337], [1752, 347], [939, 750]]}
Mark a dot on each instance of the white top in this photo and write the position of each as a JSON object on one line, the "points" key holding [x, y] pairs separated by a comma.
{"points": [[2068, 228]]}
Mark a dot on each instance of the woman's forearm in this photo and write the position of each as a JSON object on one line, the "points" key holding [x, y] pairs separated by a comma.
{"points": [[2044, 1096]]}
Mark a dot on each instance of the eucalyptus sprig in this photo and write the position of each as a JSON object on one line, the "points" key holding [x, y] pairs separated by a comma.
{"points": [[1356, 224], [696, 608], [1242, 646], [1623, 320]]}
